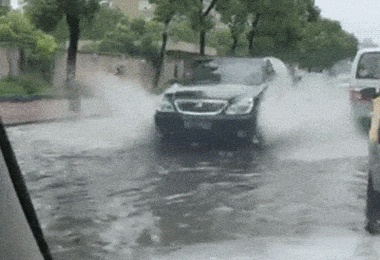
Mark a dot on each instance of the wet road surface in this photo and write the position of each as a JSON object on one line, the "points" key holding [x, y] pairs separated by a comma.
{"points": [[107, 188]]}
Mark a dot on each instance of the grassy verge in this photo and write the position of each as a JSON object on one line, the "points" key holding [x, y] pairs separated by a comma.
{"points": [[29, 87], [25, 87]]}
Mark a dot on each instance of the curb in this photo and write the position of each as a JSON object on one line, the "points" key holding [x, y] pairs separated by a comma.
{"points": [[46, 111]]}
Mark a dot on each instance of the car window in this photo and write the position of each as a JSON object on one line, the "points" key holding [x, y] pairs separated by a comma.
{"points": [[369, 66], [234, 71]]}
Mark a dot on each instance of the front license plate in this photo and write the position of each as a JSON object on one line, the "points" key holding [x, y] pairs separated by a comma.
{"points": [[198, 124]]}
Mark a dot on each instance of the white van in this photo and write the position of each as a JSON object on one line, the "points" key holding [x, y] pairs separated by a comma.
{"points": [[365, 73], [365, 100]]}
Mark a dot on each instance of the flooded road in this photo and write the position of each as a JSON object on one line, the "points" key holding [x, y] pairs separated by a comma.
{"points": [[107, 188]]}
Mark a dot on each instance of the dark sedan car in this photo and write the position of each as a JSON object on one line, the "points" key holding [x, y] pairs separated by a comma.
{"points": [[220, 99]]}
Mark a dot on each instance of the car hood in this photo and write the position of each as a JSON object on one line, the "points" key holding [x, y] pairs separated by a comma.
{"points": [[217, 91]]}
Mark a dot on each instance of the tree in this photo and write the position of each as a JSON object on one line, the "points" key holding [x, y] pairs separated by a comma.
{"points": [[4, 9], [121, 39], [133, 38], [180, 30], [199, 13], [221, 39], [277, 23], [46, 14], [252, 7], [103, 21], [324, 43], [234, 14], [17, 32], [313, 13], [165, 12]]}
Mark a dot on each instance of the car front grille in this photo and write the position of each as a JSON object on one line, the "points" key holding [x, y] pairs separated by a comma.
{"points": [[200, 106]]}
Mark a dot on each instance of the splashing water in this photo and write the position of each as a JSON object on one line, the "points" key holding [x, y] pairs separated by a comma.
{"points": [[128, 111], [310, 120], [313, 117]]}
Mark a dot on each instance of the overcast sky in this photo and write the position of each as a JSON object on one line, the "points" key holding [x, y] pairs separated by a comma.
{"points": [[361, 18]]}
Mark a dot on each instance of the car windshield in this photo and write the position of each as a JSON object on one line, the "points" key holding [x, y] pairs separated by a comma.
{"points": [[369, 66], [230, 71]]}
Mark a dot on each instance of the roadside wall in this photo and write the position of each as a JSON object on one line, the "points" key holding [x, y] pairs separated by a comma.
{"points": [[18, 112], [176, 65]]}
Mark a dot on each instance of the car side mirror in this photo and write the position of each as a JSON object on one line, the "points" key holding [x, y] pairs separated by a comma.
{"points": [[369, 92]]}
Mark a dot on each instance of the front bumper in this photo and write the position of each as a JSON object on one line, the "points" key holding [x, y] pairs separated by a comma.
{"points": [[221, 126]]}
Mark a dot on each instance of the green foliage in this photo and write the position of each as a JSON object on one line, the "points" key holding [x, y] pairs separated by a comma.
{"points": [[17, 31], [40, 67], [36, 47], [61, 32], [197, 13], [180, 30], [201, 20], [30, 85], [153, 29], [11, 87], [75, 11], [4, 10], [166, 10], [23, 86], [138, 26], [264, 46], [281, 21], [121, 40], [313, 12], [48, 16], [234, 14], [78, 8], [133, 38], [221, 40], [324, 43], [103, 21], [45, 44], [291, 30], [44, 14]]}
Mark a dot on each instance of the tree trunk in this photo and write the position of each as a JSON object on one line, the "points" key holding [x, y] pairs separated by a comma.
{"points": [[73, 88], [234, 44], [22, 60], [202, 37], [202, 42], [252, 33], [162, 55], [13, 58]]}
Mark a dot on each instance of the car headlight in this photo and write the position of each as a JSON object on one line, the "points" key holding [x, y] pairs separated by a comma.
{"points": [[165, 105], [241, 106]]}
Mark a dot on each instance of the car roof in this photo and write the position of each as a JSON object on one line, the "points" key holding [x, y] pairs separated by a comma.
{"points": [[230, 60]]}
